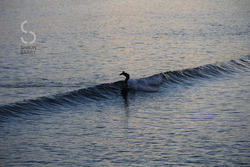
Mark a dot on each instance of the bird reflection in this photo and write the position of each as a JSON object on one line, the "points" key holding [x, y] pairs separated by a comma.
{"points": [[124, 93]]}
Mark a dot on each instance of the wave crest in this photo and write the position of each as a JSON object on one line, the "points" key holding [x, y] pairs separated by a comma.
{"points": [[111, 90]]}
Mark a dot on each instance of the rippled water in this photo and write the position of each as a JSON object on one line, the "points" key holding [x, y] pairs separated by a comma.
{"points": [[63, 106]]}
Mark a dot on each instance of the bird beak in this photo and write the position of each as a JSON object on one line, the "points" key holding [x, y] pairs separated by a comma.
{"points": [[121, 73]]}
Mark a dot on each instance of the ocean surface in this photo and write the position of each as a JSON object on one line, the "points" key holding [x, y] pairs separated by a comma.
{"points": [[64, 102]]}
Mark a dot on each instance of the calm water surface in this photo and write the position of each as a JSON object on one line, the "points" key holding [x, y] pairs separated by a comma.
{"points": [[63, 105]]}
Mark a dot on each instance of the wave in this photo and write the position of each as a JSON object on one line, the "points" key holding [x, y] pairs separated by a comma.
{"points": [[111, 90], [208, 71]]}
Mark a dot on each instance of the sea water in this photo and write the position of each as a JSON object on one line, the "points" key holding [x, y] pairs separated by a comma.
{"points": [[63, 102]]}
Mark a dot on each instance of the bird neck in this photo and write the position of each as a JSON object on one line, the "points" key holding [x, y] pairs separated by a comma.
{"points": [[127, 77]]}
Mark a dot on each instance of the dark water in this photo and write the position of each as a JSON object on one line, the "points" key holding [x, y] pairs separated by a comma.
{"points": [[65, 105]]}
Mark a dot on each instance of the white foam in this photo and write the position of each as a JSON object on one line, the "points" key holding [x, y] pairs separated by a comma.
{"points": [[149, 84]]}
